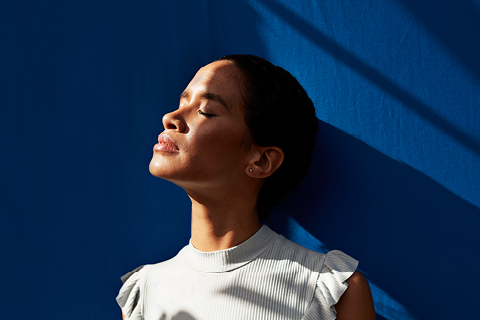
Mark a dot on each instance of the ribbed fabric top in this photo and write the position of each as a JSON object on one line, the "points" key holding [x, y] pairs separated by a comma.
{"points": [[232, 258], [265, 277]]}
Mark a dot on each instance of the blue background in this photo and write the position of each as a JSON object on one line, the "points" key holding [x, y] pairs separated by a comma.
{"points": [[395, 180]]}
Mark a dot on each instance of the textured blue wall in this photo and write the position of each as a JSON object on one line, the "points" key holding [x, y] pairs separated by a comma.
{"points": [[395, 180]]}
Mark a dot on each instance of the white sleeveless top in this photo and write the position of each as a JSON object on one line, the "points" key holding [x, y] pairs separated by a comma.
{"points": [[265, 277]]}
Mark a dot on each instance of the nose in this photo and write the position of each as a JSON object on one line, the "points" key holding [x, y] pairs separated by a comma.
{"points": [[174, 121]]}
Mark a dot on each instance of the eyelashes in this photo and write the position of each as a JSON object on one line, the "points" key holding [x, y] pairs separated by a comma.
{"points": [[206, 115]]}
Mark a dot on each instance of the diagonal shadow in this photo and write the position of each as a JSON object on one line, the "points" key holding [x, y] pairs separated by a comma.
{"points": [[386, 307], [381, 81], [455, 23], [395, 219]]}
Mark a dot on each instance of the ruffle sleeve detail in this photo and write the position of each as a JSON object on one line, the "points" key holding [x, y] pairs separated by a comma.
{"points": [[331, 283], [129, 297]]}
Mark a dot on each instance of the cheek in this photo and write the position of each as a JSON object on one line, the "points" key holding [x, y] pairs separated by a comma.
{"points": [[221, 144]]}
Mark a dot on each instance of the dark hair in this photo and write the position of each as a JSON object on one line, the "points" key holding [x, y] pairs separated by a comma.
{"points": [[278, 113]]}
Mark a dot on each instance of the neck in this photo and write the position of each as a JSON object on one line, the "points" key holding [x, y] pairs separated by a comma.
{"points": [[219, 224]]}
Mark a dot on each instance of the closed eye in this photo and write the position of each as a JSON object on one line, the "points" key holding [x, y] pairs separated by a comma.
{"points": [[206, 115]]}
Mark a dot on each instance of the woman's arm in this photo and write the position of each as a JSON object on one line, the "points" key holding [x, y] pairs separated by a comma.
{"points": [[356, 302]]}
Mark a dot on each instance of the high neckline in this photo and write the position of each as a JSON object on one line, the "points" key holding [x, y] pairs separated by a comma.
{"points": [[231, 258]]}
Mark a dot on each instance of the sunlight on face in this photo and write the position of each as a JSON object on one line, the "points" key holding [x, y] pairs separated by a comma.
{"points": [[204, 143]]}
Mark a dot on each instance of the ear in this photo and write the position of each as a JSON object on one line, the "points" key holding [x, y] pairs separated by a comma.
{"points": [[264, 162]]}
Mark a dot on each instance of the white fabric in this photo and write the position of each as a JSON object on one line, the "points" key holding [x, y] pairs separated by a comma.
{"points": [[265, 277]]}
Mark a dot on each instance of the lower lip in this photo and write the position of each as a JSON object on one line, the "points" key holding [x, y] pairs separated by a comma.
{"points": [[164, 147]]}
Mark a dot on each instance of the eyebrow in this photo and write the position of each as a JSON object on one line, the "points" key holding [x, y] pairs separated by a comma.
{"points": [[209, 96]]}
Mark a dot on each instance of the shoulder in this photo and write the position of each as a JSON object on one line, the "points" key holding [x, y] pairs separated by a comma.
{"points": [[142, 271], [335, 272], [127, 275], [333, 261], [135, 286], [129, 295], [343, 292], [287, 249], [356, 302]]}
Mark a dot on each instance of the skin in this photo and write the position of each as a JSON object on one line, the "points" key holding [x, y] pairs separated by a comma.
{"points": [[214, 157], [212, 164], [356, 302]]}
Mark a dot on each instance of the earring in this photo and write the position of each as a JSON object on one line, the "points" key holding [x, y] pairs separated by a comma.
{"points": [[250, 170]]}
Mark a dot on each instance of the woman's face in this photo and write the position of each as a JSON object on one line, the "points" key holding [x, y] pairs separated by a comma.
{"points": [[205, 141]]}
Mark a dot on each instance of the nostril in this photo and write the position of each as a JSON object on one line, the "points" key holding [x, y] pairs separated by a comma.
{"points": [[169, 121]]}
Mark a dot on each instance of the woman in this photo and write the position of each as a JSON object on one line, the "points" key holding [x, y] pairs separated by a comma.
{"points": [[242, 138]]}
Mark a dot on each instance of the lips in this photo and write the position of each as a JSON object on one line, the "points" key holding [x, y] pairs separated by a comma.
{"points": [[165, 143]]}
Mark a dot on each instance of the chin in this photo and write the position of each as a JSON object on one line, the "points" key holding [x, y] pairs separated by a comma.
{"points": [[162, 169], [156, 169]]}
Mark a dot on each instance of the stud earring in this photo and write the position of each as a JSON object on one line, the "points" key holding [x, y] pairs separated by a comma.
{"points": [[250, 170]]}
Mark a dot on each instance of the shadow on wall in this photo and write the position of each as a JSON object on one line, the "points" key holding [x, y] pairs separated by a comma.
{"points": [[377, 78], [386, 307], [455, 23], [412, 236]]}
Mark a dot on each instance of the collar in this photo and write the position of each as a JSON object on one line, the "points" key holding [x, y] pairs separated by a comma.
{"points": [[231, 258]]}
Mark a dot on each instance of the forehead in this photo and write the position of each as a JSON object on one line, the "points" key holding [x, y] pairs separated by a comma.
{"points": [[220, 78], [219, 69]]}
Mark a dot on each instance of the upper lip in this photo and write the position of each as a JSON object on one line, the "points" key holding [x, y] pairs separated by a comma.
{"points": [[165, 139]]}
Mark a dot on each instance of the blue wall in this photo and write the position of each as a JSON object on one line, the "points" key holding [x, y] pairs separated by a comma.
{"points": [[395, 180]]}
